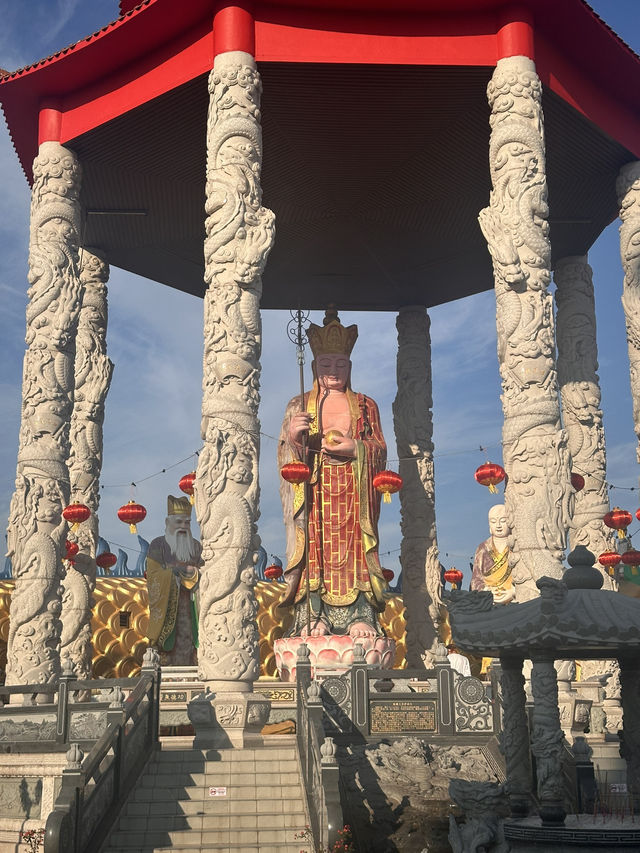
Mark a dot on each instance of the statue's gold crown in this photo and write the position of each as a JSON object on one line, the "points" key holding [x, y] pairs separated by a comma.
{"points": [[178, 506], [332, 336]]}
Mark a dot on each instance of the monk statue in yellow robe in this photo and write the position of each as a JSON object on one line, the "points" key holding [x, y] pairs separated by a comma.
{"points": [[346, 449], [173, 572], [491, 570]]}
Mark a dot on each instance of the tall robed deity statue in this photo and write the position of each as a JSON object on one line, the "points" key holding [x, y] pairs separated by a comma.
{"points": [[491, 570], [345, 449], [173, 572]]}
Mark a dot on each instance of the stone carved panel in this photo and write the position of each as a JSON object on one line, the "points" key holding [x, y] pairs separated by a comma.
{"points": [[21, 797], [535, 453], [413, 424], [239, 235], [582, 415], [473, 711], [628, 189], [37, 531], [93, 371]]}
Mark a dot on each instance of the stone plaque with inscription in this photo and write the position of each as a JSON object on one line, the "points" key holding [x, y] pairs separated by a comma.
{"points": [[403, 716]]}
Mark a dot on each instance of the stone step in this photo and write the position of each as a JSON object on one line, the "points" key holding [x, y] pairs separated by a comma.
{"points": [[227, 847], [196, 786], [215, 806], [207, 838], [204, 821], [260, 767], [233, 756], [268, 801]]}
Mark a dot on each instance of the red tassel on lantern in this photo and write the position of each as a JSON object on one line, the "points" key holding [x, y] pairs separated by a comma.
{"points": [[490, 474], [295, 472], [76, 513], [132, 513], [609, 559], [387, 482], [618, 519], [186, 484]]}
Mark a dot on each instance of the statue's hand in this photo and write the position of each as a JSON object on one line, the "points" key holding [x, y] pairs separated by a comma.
{"points": [[340, 446], [298, 425], [503, 596]]}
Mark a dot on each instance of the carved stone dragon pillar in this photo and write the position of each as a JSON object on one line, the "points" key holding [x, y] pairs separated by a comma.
{"points": [[535, 454], [516, 736], [628, 189], [239, 235], [92, 379], [37, 532], [546, 739], [580, 393], [413, 425]]}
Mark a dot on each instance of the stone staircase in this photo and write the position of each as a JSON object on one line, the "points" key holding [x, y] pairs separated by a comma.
{"points": [[172, 808]]}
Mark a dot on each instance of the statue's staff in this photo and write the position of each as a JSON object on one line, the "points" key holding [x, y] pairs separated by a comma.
{"points": [[297, 335]]}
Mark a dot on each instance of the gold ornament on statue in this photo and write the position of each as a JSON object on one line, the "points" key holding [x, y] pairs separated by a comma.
{"points": [[333, 436]]}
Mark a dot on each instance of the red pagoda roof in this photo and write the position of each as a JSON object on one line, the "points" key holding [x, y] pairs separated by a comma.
{"points": [[338, 125]]}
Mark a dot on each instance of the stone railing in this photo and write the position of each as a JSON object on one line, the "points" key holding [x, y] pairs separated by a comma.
{"points": [[437, 703], [318, 758], [95, 786]]}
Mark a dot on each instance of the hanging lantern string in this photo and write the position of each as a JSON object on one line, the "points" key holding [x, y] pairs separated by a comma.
{"points": [[481, 448]]}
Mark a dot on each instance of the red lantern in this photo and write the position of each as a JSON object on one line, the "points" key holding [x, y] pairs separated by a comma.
{"points": [[609, 559], [454, 577], [387, 482], [76, 513], [295, 472], [387, 574], [273, 572], [577, 481], [618, 519], [631, 557], [186, 484], [72, 549], [638, 514], [132, 514], [490, 474], [106, 560]]}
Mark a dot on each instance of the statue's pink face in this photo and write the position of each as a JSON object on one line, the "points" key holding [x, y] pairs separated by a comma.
{"points": [[333, 371]]}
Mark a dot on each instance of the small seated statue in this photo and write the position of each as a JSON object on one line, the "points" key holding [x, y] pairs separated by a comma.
{"points": [[491, 561]]}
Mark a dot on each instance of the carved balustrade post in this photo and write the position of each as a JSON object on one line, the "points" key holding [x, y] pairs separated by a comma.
{"points": [[582, 415], [515, 729], [93, 371], [535, 454], [546, 739], [239, 235], [413, 423], [36, 533], [630, 741], [628, 189]]}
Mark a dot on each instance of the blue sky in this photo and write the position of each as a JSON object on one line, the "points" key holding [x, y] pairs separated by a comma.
{"points": [[155, 340]]}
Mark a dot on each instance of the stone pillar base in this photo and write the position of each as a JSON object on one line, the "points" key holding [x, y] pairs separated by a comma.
{"points": [[228, 720]]}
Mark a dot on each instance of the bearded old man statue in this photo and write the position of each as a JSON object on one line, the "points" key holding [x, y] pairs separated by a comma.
{"points": [[346, 450], [173, 562]]}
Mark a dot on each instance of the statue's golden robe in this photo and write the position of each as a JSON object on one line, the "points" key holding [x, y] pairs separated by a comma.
{"points": [[343, 512], [173, 615]]}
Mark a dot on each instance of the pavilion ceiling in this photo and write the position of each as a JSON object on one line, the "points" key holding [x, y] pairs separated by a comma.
{"points": [[376, 175]]}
